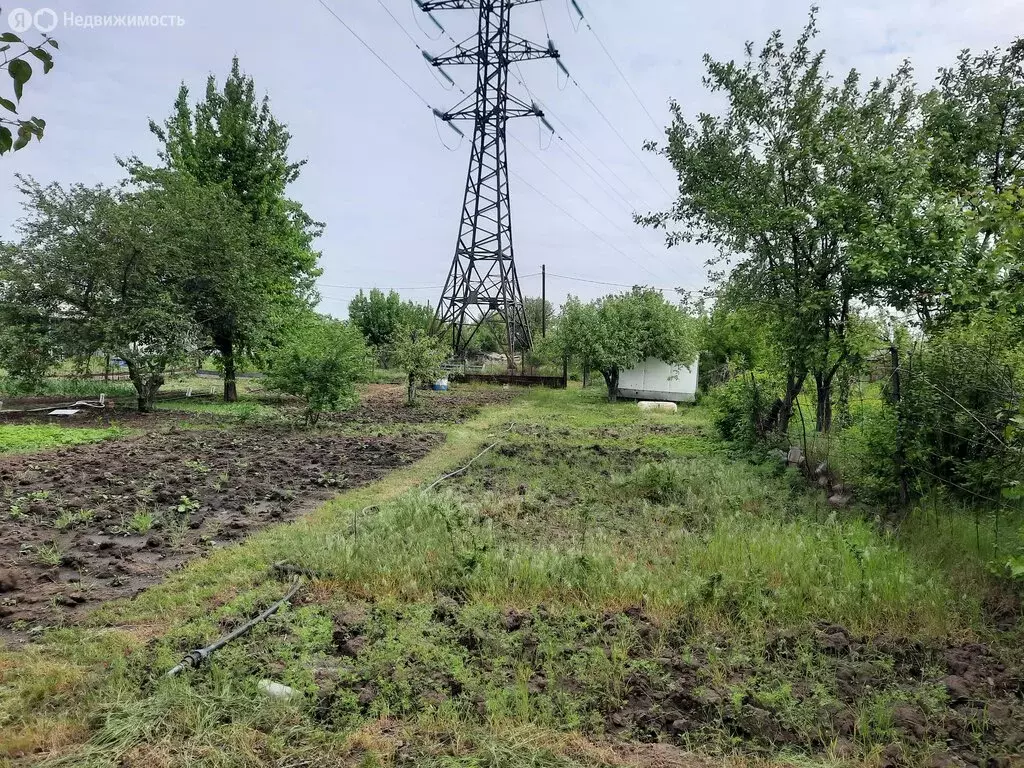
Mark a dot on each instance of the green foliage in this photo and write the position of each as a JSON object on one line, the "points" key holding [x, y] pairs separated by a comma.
{"points": [[262, 269], [105, 269], [618, 332], [320, 363], [419, 355], [974, 126], [15, 132], [813, 193], [962, 394], [380, 316], [739, 406], [23, 438], [26, 351]]}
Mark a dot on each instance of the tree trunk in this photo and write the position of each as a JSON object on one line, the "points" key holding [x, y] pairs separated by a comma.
{"points": [[611, 378], [145, 388], [823, 387], [779, 416], [227, 353], [411, 400]]}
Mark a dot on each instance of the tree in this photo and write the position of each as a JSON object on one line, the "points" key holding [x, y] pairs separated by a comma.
{"points": [[231, 141], [18, 67], [379, 315], [105, 269], [419, 355], [538, 313], [974, 129], [618, 332], [810, 192], [320, 362]]}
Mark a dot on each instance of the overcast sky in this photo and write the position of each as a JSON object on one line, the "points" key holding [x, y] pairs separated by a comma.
{"points": [[378, 173]]}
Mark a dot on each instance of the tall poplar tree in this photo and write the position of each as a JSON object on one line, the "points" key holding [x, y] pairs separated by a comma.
{"points": [[231, 140]]}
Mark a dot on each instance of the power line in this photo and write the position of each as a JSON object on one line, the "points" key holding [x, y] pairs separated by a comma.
{"points": [[591, 231], [615, 130], [605, 165], [520, 78], [394, 288], [401, 26], [593, 207], [619, 70], [376, 55], [605, 282]]}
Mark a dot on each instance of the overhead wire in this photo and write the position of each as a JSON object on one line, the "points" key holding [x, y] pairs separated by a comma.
{"points": [[618, 69], [621, 138], [522, 81], [584, 225], [376, 55], [593, 207], [607, 283]]}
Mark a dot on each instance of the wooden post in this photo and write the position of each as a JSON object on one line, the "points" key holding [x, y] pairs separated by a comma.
{"points": [[543, 301]]}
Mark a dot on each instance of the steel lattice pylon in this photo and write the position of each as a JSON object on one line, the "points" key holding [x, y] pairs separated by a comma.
{"points": [[482, 283]]}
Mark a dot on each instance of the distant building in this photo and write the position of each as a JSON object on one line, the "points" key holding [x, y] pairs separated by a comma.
{"points": [[655, 379]]}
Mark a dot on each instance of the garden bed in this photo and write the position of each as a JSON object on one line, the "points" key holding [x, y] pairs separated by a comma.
{"points": [[90, 523]]}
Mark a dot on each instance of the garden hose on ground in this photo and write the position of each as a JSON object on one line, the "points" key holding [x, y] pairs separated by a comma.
{"points": [[194, 658], [460, 470]]}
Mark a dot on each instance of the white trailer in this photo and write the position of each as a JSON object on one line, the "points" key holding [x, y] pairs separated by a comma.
{"points": [[655, 379]]}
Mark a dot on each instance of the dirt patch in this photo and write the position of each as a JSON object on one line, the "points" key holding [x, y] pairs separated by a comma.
{"points": [[926, 700], [86, 524], [625, 678], [385, 404]]}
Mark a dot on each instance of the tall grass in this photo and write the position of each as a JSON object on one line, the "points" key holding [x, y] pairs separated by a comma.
{"points": [[743, 571]]}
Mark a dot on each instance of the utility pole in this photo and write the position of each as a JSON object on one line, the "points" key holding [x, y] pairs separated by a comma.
{"points": [[482, 283], [543, 301]]}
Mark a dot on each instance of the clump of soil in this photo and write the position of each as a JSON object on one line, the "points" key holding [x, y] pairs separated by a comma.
{"points": [[90, 523]]}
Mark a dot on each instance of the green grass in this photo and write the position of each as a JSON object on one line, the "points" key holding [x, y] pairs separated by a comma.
{"points": [[70, 388], [26, 438], [242, 410], [589, 563]]}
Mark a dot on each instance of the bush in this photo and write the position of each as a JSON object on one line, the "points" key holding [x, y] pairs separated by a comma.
{"points": [[321, 364], [739, 404]]}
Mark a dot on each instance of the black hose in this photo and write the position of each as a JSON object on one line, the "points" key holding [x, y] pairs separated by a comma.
{"points": [[194, 658]]}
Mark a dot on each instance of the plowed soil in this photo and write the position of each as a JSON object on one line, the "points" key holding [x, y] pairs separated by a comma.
{"points": [[86, 524]]}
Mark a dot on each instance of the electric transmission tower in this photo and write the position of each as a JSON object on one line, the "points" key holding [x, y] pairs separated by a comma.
{"points": [[482, 283]]}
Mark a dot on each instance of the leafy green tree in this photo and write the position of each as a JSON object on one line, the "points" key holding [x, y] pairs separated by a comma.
{"points": [[419, 355], [537, 309], [320, 362], [17, 132], [231, 141], [974, 129], [618, 332], [106, 269], [809, 191], [380, 315]]}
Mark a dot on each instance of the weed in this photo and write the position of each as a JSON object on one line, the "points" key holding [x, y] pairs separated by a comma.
{"points": [[186, 506], [68, 519], [24, 438], [49, 555], [141, 522]]}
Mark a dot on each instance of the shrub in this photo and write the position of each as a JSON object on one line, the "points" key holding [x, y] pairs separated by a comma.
{"points": [[320, 364], [739, 406]]}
